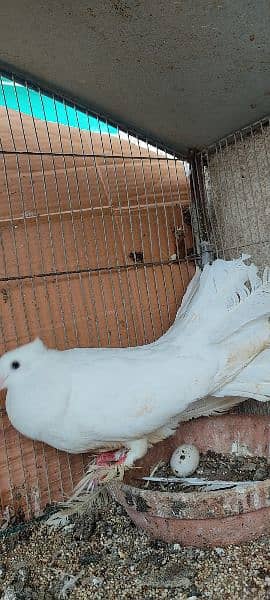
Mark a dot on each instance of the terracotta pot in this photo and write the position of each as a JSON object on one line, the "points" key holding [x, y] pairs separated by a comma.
{"points": [[202, 519]]}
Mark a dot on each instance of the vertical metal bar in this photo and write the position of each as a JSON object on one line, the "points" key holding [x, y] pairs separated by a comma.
{"points": [[74, 321], [146, 160], [8, 464], [12, 225], [136, 267], [266, 151], [254, 203], [91, 211], [21, 457], [198, 192], [72, 222], [46, 473], [92, 214], [236, 195], [73, 225], [175, 162], [26, 230], [123, 233], [49, 225], [105, 243], [216, 231], [114, 237], [39, 232], [5, 264], [17, 343], [5, 341], [257, 167], [42, 258], [166, 227], [222, 163], [83, 226], [159, 235], [150, 239]]}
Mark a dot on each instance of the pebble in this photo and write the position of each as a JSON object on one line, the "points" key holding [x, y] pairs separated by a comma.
{"points": [[184, 582], [251, 466], [23, 574], [9, 594], [2, 570], [260, 474], [87, 559], [219, 551], [96, 581]]}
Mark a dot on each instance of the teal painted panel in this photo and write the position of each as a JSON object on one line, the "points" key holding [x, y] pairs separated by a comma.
{"points": [[15, 96]]}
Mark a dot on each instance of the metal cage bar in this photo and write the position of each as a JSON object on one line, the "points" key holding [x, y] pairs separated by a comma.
{"points": [[95, 250], [231, 186]]}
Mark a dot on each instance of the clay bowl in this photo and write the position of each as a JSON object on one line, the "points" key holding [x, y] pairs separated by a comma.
{"points": [[202, 519]]}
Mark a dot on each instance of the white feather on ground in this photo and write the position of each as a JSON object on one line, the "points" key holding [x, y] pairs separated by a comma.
{"points": [[204, 484]]}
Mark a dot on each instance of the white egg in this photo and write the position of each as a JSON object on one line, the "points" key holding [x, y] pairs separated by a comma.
{"points": [[185, 460]]}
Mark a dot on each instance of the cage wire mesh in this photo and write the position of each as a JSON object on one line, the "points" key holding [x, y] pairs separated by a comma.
{"points": [[96, 249], [231, 182]]}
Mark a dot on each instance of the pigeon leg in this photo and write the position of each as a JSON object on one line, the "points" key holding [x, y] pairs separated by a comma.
{"points": [[137, 449]]}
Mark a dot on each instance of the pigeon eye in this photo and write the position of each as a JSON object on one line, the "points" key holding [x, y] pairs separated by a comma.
{"points": [[15, 364]]}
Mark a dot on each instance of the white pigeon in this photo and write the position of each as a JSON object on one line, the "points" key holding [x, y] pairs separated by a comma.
{"points": [[91, 398]]}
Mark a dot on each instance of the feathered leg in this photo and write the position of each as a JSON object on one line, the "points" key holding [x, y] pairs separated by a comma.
{"points": [[91, 491], [137, 449]]}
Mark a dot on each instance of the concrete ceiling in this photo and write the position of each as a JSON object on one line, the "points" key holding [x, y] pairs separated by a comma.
{"points": [[183, 73]]}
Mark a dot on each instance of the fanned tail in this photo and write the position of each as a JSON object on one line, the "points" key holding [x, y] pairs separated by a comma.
{"points": [[218, 285], [229, 305], [250, 303], [252, 382]]}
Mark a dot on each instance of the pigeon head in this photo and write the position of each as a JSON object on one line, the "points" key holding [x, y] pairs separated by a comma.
{"points": [[17, 363]]}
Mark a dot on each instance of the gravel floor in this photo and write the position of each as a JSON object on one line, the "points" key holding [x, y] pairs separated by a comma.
{"points": [[108, 558]]}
